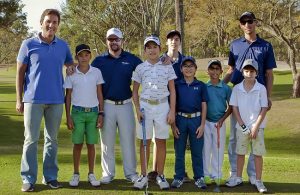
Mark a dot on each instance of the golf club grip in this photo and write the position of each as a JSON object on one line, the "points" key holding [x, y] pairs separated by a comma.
{"points": [[144, 127]]}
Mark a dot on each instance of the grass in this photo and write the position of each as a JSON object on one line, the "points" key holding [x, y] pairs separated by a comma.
{"points": [[281, 164]]}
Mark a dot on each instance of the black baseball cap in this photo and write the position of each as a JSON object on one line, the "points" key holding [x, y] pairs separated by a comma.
{"points": [[172, 33], [248, 15], [188, 58], [82, 47]]}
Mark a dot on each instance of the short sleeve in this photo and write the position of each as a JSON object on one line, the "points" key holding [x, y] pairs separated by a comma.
{"points": [[99, 77], [263, 97], [136, 76], [233, 99], [171, 73], [23, 53], [68, 83]]}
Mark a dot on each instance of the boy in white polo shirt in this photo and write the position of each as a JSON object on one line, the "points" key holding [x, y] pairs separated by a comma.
{"points": [[249, 103], [157, 82], [84, 92]]}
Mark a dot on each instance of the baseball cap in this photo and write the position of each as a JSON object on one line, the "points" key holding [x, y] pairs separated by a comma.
{"points": [[250, 62], [214, 61], [82, 47], [188, 58], [174, 32], [247, 14], [152, 38], [114, 31]]}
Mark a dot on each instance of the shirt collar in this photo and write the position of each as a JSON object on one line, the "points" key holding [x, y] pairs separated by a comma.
{"points": [[107, 54], [79, 72], [195, 81], [258, 39], [254, 88], [220, 84], [41, 41], [149, 64]]}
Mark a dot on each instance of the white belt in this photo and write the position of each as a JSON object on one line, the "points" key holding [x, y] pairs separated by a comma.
{"points": [[189, 115], [154, 102], [121, 102]]}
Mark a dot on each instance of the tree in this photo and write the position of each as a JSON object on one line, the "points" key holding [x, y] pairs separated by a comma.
{"points": [[13, 29], [179, 12]]}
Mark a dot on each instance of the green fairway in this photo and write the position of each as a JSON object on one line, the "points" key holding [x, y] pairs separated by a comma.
{"points": [[281, 172]]}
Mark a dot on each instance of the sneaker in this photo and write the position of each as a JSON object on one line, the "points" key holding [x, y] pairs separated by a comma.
{"points": [[186, 178], [207, 180], [133, 178], [177, 183], [54, 184], [252, 180], [200, 183], [235, 181], [141, 182], [152, 175], [27, 187], [92, 180], [74, 181], [106, 179], [260, 186], [162, 182]]}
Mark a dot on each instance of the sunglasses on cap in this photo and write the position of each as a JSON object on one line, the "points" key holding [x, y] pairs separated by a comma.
{"points": [[250, 21]]}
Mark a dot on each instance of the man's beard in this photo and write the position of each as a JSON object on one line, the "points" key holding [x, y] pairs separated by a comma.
{"points": [[115, 48]]}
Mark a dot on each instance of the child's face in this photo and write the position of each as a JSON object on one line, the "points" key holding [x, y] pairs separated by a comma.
{"points": [[84, 58], [188, 69], [214, 71], [173, 43], [249, 73], [152, 51]]}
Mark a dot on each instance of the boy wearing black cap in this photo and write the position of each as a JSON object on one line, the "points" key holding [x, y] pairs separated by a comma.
{"points": [[191, 108], [250, 121], [84, 93], [217, 111]]}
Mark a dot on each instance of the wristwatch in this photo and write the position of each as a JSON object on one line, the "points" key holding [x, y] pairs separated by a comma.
{"points": [[101, 113]]}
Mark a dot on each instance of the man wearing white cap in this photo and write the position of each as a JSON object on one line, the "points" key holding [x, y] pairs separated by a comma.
{"points": [[250, 46], [117, 67]]}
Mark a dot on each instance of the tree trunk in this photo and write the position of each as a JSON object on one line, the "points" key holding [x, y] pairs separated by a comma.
{"points": [[180, 21], [296, 75]]}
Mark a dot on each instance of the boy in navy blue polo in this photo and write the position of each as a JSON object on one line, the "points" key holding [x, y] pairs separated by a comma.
{"points": [[191, 108], [218, 110]]}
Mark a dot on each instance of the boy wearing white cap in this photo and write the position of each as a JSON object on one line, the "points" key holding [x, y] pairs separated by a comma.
{"points": [[157, 82], [249, 103]]}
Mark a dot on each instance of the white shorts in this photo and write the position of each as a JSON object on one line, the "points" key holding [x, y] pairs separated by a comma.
{"points": [[155, 121]]}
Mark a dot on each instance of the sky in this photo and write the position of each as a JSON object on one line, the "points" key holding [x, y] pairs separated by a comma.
{"points": [[35, 8]]}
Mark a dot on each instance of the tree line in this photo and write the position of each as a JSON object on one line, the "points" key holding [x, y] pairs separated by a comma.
{"points": [[209, 25]]}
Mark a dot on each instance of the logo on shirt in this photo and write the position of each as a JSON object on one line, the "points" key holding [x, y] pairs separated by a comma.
{"points": [[125, 63], [196, 88], [257, 51]]}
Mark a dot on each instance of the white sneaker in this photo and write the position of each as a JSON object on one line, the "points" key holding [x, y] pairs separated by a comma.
{"points": [[93, 181], [235, 181], [74, 182], [106, 179], [141, 182], [260, 186], [252, 180], [162, 182], [133, 178]]}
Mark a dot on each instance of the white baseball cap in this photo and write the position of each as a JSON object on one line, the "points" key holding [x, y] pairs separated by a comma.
{"points": [[114, 31], [152, 38], [250, 62]]}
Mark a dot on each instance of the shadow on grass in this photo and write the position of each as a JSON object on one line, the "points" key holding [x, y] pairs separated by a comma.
{"points": [[282, 92], [7, 89], [123, 185]]}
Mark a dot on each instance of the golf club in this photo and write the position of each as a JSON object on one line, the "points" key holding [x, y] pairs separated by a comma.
{"points": [[217, 188], [145, 147]]}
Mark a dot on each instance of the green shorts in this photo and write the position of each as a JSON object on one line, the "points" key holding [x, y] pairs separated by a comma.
{"points": [[85, 126]]}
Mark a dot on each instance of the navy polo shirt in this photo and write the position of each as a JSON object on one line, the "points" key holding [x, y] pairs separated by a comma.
{"points": [[260, 50], [176, 66], [117, 73], [189, 97]]}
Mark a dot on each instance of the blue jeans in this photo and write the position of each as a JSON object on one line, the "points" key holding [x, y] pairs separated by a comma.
{"points": [[232, 152], [187, 128], [33, 114]]}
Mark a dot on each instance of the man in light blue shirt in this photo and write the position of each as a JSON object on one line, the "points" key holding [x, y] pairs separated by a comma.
{"points": [[39, 73]]}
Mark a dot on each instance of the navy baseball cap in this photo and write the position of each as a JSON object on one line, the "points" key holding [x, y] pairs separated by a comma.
{"points": [[247, 15], [173, 33], [82, 47], [214, 61], [188, 58]]}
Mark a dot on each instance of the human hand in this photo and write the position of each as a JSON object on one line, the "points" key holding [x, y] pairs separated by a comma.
{"points": [[175, 131], [70, 70], [70, 123], [19, 107], [100, 121], [269, 104], [200, 131], [165, 59], [171, 117]]}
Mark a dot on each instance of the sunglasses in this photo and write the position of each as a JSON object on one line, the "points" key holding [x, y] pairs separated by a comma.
{"points": [[247, 21], [188, 65], [114, 39]]}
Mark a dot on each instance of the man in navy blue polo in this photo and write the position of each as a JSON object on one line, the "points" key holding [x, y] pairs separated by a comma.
{"points": [[117, 67], [191, 108], [39, 73], [250, 46]]}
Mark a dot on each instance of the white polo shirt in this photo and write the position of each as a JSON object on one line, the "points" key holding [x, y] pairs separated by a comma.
{"points": [[154, 79], [249, 103], [84, 87]]}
